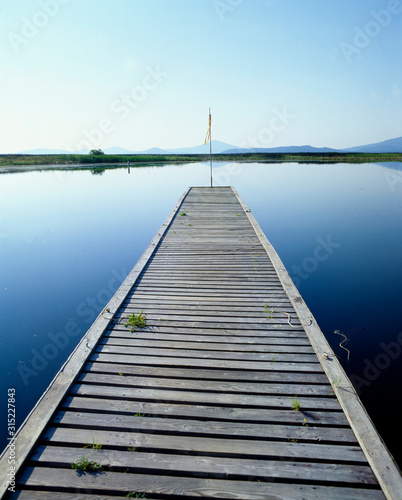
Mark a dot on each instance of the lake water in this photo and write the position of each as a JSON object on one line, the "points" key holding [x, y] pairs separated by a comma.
{"points": [[68, 239]]}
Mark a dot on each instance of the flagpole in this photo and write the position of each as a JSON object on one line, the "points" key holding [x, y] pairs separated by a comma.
{"points": [[210, 145]]}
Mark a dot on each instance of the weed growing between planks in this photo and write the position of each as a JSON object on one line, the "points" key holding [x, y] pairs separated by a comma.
{"points": [[138, 320], [94, 446], [333, 386], [83, 464], [268, 310], [295, 404]]}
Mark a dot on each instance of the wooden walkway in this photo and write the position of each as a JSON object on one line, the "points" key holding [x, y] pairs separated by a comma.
{"points": [[201, 402]]}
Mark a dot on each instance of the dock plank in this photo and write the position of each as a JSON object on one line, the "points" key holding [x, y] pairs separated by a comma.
{"points": [[181, 486]]}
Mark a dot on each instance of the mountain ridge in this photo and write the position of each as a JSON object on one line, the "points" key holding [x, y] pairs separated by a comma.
{"points": [[219, 147]]}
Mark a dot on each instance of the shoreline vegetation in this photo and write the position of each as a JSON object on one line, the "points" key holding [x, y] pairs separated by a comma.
{"points": [[80, 160]]}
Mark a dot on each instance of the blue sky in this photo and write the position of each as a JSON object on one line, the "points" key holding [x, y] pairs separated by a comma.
{"points": [[142, 73]]}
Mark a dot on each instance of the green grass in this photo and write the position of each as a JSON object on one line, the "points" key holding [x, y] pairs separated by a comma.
{"points": [[135, 321], [134, 494], [138, 160], [295, 404], [268, 310], [84, 464], [332, 393], [94, 446]]}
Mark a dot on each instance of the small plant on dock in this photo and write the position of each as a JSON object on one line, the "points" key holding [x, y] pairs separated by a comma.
{"points": [[86, 465], [134, 494], [305, 422], [132, 449], [268, 310], [94, 446], [295, 404], [138, 320], [183, 214], [332, 393]]}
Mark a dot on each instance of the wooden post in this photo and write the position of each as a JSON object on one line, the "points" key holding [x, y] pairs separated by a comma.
{"points": [[210, 143]]}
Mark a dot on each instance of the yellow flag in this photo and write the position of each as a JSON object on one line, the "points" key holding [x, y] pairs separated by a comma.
{"points": [[208, 136]]}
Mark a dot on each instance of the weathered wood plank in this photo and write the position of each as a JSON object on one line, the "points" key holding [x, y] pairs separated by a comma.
{"points": [[210, 412], [206, 363], [271, 357], [58, 495], [214, 446], [205, 351], [205, 344], [228, 468], [202, 385], [205, 374], [277, 331], [141, 423], [259, 322], [307, 403], [265, 310], [266, 340]]}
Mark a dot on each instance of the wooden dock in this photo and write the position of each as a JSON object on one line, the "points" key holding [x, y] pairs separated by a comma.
{"points": [[230, 391]]}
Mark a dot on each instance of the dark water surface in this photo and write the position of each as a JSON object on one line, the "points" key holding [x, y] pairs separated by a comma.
{"points": [[68, 239]]}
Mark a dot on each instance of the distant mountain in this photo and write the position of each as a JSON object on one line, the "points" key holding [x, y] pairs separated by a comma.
{"points": [[217, 147], [283, 149], [389, 146], [112, 151], [154, 151]]}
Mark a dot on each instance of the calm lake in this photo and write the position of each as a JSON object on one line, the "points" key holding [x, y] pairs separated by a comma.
{"points": [[68, 239]]}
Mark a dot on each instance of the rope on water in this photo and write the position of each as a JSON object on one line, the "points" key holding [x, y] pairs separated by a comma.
{"points": [[345, 339]]}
